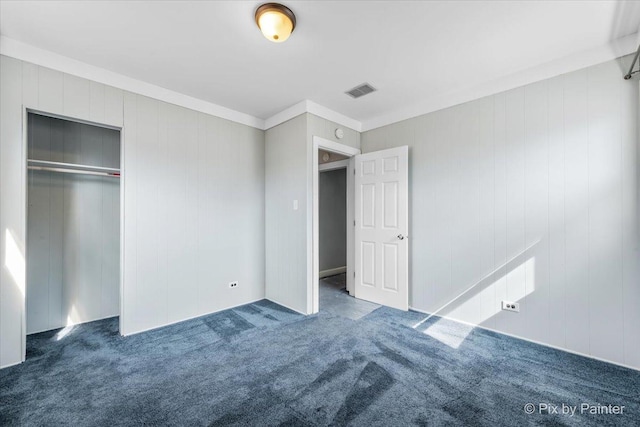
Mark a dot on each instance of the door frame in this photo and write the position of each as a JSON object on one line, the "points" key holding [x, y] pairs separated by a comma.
{"points": [[313, 277], [26, 109]]}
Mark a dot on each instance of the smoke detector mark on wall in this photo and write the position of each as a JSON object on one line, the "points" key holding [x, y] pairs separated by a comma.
{"points": [[360, 90]]}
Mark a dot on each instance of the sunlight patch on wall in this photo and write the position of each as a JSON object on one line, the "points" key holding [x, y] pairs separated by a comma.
{"points": [[520, 281], [73, 318], [14, 261], [64, 332]]}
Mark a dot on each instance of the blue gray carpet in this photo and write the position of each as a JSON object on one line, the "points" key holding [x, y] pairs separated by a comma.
{"points": [[262, 364]]}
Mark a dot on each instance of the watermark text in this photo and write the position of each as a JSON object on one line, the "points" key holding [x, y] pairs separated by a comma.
{"points": [[547, 408]]}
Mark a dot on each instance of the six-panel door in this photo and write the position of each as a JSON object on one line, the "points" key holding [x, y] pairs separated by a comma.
{"points": [[382, 227]]}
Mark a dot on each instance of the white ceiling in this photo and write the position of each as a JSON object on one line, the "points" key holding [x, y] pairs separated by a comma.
{"points": [[410, 51]]}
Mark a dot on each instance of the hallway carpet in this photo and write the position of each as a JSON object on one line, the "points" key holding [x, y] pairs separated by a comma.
{"points": [[261, 364], [335, 299]]}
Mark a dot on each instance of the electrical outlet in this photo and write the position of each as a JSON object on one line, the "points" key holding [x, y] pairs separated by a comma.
{"points": [[511, 306], [233, 284]]}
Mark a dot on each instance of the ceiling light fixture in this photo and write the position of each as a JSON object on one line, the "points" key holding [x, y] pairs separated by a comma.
{"points": [[276, 21]]}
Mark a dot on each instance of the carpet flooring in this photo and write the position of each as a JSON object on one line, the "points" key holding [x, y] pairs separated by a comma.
{"points": [[262, 364], [335, 299]]}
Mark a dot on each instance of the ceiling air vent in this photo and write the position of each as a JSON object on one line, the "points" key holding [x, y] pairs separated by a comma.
{"points": [[360, 90]]}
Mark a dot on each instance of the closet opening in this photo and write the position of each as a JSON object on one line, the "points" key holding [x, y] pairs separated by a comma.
{"points": [[73, 250]]}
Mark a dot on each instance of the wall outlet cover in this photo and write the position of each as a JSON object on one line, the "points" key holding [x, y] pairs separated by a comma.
{"points": [[511, 306]]}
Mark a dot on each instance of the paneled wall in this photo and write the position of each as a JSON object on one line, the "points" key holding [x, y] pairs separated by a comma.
{"points": [[73, 256], [288, 171], [194, 209], [317, 126], [286, 229], [194, 201], [531, 196], [25, 84]]}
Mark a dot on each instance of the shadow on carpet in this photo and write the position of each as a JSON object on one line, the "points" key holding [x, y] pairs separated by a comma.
{"points": [[262, 364]]}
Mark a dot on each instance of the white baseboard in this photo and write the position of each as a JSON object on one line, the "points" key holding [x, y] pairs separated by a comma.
{"points": [[11, 364], [286, 306], [526, 339], [74, 324], [128, 334], [332, 272]]}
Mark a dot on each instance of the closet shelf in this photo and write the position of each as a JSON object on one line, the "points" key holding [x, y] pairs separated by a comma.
{"points": [[45, 165]]}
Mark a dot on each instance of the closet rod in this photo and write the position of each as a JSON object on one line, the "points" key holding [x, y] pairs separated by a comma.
{"points": [[635, 58], [76, 171], [44, 165]]}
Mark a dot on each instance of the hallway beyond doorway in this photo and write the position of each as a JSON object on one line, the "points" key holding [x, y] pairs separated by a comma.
{"points": [[335, 299]]}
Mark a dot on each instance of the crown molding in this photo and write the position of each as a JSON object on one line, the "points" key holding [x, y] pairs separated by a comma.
{"points": [[285, 115], [48, 59], [54, 61], [616, 49], [45, 58], [311, 107], [333, 116]]}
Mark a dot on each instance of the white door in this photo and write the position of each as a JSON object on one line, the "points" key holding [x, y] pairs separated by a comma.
{"points": [[382, 227]]}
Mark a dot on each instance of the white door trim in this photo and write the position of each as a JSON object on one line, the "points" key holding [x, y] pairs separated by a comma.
{"points": [[313, 303]]}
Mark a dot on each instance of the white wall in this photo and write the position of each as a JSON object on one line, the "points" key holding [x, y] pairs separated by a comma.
{"points": [[530, 195], [317, 126], [288, 171], [194, 213], [40, 88], [286, 240], [73, 226], [194, 201]]}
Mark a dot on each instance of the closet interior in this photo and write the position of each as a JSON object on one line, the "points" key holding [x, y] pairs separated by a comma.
{"points": [[73, 223]]}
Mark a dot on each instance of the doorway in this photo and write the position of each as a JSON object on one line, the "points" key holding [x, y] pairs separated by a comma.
{"points": [[332, 206], [334, 297], [342, 154], [377, 225], [73, 218]]}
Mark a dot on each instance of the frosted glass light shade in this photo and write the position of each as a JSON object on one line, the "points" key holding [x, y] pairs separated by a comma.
{"points": [[275, 21]]}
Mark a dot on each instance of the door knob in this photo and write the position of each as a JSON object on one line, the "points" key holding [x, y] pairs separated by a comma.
{"points": [[401, 237]]}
